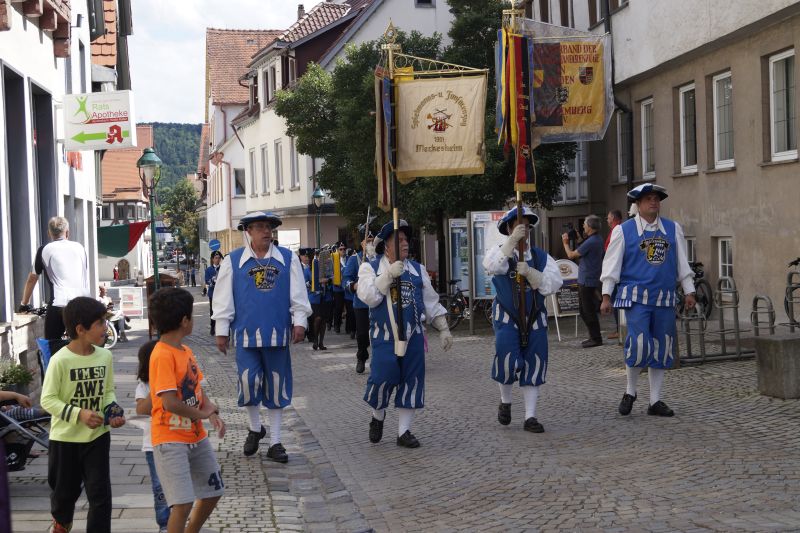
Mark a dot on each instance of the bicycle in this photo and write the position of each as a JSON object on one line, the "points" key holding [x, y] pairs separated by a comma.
{"points": [[111, 337], [703, 295], [458, 307], [792, 294]]}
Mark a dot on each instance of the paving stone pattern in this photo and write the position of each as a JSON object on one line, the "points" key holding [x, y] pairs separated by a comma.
{"points": [[728, 460]]}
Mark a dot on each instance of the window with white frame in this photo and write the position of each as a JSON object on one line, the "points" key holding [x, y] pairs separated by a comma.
{"points": [[688, 128], [691, 254], [726, 257], [294, 165], [278, 166], [274, 85], [239, 182], [292, 71], [264, 169], [723, 120], [648, 140], [576, 188], [781, 106], [265, 88], [425, 3], [623, 146], [253, 189]]}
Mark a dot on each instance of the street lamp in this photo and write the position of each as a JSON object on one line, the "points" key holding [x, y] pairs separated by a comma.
{"points": [[150, 171], [319, 198]]}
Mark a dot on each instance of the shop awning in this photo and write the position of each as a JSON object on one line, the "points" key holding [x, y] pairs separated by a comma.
{"points": [[117, 241]]}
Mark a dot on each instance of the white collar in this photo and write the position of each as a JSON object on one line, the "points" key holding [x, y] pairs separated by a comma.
{"points": [[409, 266], [247, 254], [641, 224], [528, 254]]}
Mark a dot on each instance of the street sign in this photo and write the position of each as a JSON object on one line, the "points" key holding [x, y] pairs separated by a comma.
{"points": [[99, 121], [214, 245], [162, 229]]}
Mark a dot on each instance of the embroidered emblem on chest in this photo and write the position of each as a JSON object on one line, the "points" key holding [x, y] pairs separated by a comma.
{"points": [[264, 277], [655, 249]]}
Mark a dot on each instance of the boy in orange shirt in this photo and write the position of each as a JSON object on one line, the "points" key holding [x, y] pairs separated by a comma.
{"points": [[185, 460]]}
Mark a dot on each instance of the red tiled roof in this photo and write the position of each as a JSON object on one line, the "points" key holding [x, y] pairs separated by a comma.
{"points": [[315, 19], [228, 53], [120, 174], [202, 159], [104, 48]]}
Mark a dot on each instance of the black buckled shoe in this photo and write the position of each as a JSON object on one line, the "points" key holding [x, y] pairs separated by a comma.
{"points": [[660, 409], [375, 430], [277, 453], [251, 443], [407, 440], [626, 404], [360, 367], [533, 426], [591, 343], [504, 413]]}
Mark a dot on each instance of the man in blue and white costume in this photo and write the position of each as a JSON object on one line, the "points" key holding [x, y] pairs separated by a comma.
{"points": [[260, 300], [645, 260], [513, 361], [360, 309], [398, 364]]}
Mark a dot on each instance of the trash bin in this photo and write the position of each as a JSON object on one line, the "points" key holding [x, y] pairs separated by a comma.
{"points": [[165, 280]]}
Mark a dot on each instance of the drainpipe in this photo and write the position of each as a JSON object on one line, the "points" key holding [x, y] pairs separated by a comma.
{"points": [[618, 103]]}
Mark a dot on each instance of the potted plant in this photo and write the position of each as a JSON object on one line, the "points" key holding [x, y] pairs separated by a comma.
{"points": [[14, 377]]}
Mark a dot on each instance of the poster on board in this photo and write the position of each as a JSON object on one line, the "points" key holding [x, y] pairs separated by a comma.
{"points": [[131, 301], [459, 253], [566, 300], [485, 236]]}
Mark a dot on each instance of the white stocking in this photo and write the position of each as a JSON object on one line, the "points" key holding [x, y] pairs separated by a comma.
{"points": [[379, 414], [255, 417], [406, 417], [531, 395], [633, 378], [505, 393], [656, 376], [275, 416]]}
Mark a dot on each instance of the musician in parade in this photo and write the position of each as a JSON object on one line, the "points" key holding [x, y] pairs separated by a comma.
{"points": [[338, 259], [360, 309], [321, 296], [398, 366], [521, 349], [646, 258], [260, 301]]}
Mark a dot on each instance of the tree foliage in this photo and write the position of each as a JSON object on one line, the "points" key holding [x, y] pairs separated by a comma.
{"points": [[178, 208], [178, 146]]}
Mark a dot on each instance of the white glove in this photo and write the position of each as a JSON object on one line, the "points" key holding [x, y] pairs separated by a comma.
{"points": [[519, 233], [445, 337], [533, 276], [384, 281]]}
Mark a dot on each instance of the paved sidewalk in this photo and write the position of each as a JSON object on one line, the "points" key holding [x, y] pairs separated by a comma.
{"points": [[728, 460]]}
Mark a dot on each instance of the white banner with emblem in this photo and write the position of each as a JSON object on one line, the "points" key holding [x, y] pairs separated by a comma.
{"points": [[440, 126]]}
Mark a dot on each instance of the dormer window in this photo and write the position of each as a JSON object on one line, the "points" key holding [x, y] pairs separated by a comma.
{"points": [[273, 82], [292, 71], [265, 88]]}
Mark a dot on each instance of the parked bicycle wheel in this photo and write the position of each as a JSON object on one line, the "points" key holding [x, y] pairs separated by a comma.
{"points": [[111, 336], [455, 310], [704, 297]]}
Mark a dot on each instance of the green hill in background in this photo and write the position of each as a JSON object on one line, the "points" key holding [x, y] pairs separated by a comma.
{"points": [[178, 146]]}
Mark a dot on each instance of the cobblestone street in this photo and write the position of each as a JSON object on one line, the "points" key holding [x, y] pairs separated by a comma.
{"points": [[727, 461]]}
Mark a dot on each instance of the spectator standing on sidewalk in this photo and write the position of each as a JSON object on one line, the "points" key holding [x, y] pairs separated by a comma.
{"points": [[590, 255], [65, 266], [646, 258], [211, 281], [261, 301], [614, 219]]}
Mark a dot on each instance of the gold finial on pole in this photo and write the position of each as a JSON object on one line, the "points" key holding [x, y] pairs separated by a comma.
{"points": [[510, 15], [390, 47]]}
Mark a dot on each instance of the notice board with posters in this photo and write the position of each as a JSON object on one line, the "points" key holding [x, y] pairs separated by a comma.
{"points": [[484, 236], [566, 299], [131, 301]]}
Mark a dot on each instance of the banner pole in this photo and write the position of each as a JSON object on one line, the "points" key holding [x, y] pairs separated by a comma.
{"points": [[401, 328], [523, 307]]}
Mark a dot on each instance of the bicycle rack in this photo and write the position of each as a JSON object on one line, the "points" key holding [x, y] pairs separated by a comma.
{"points": [[769, 311], [792, 299], [725, 297]]}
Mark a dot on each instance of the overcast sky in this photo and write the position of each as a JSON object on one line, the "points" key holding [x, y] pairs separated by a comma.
{"points": [[168, 49]]}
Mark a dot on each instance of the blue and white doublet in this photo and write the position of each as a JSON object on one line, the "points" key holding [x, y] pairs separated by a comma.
{"points": [[646, 290], [388, 372], [512, 362], [262, 329]]}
